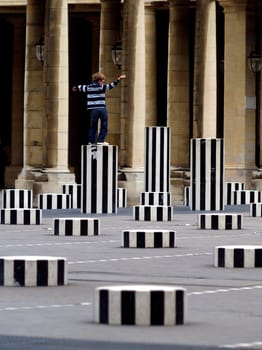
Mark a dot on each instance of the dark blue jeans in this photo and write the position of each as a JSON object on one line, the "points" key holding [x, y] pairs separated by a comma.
{"points": [[95, 115]]}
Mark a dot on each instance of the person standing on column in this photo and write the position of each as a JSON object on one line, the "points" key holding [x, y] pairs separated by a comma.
{"points": [[96, 104]]}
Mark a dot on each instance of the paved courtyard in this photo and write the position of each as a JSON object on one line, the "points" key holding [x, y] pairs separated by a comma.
{"points": [[224, 306]]}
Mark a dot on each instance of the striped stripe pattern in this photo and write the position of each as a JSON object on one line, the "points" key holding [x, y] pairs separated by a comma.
{"points": [[157, 159], [207, 174], [155, 198], [148, 239], [99, 178], [246, 197], [75, 192], [220, 221], [140, 305], [96, 93], [21, 216], [76, 227], [121, 197], [256, 209], [54, 201], [17, 198], [32, 271], [238, 256], [229, 188], [152, 213]]}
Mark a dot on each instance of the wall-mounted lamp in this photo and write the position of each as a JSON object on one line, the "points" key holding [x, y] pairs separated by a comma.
{"points": [[39, 50], [117, 54], [254, 61]]}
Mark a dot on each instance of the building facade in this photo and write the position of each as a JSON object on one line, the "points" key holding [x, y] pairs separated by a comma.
{"points": [[188, 65]]}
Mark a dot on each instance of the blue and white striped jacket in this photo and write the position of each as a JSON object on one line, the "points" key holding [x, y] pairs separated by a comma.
{"points": [[96, 93]]}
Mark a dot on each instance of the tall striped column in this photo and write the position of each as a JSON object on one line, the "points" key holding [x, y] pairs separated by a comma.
{"points": [[207, 174], [99, 178], [157, 159]]}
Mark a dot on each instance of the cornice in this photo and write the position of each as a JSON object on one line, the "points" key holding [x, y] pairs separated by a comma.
{"points": [[233, 5]]}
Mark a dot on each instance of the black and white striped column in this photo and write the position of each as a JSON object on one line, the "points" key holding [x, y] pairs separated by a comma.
{"points": [[33, 271], [207, 174], [30, 216], [155, 198], [234, 256], [157, 159], [246, 197], [148, 238], [141, 305], [220, 221], [99, 178], [152, 213], [54, 201], [76, 227], [17, 198], [187, 196], [256, 209], [230, 188], [121, 197], [75, 192]]}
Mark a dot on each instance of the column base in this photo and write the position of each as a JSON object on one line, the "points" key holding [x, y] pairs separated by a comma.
{"points": [[179, 179], [11, 174], [43, 180], [133, 180], [256, 180]]}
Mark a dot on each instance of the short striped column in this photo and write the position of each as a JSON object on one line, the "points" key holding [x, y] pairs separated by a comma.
{"points": [[157, 159], [246, 197], [233, 256], [186, 196], [76, 227], [229, 188], [220, 221], [121, 197], [141, 305], [17, 198], [33, 271], [152, 213], [256, 209], [75, 192], [30, 216], [54, 201], [99, 178], [148, 238], [207, 174], [155, 198]]}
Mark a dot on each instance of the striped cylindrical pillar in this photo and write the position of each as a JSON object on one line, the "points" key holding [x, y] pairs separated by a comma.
{"points": [[157, 159], [239, 256], [140, 305], [75, 192], [17, 198], [207, 174], [33, 271], [99, 178]]}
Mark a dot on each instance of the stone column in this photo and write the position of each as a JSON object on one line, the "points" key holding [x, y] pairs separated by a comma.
{"points": [[259, 105], [205, 96], [33, 97], [16, 165], [178, 83], [239, 130], [135, 67], [46, 99], [151, 91], [110, 30], [57, 84], [133, 106]]}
